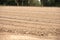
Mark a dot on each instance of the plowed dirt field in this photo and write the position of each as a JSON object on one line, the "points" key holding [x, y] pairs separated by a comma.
{"points": [[29, 23]]}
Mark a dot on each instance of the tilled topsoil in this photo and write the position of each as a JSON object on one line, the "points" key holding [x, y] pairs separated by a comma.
{"points": [[29, 23]]}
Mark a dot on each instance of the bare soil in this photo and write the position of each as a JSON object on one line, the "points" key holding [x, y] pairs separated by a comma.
{"points": [[29, 23]]}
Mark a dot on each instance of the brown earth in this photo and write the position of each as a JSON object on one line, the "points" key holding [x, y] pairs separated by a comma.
{"points": [[29, 23]]}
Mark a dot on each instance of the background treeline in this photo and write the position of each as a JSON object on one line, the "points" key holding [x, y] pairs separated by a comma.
{"points": [[30, 2]]}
